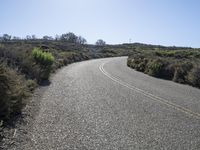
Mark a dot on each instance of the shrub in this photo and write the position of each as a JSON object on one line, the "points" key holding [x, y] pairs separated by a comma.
{"points": [[181, 71], [12, 92], [4, 90], [129, 62], [194, 77], [164, 53], [141, 66], [168, 71], [43, 58], [154, 68], [31, 84], [138, 63]]}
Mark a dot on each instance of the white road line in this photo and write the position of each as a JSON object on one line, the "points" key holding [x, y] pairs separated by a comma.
{"points": [[149, 95], [14, 134]]}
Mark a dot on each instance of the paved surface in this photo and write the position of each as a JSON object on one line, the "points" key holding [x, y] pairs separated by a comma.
{"points": [[102, 104]]}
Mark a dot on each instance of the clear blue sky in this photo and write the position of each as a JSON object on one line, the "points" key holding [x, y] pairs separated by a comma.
{"points": [[165, 22]]}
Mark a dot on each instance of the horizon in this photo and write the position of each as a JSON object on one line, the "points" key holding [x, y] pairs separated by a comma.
{"points": [[172, 23]]}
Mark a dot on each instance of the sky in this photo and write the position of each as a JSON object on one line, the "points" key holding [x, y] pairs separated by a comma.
{"points": [[160, 22]]}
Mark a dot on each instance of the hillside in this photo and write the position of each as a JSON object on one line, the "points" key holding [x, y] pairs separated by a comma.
{"points": [[172, 63]]}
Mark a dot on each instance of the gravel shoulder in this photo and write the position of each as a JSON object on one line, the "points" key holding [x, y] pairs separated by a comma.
{"points": [[18, 133]]}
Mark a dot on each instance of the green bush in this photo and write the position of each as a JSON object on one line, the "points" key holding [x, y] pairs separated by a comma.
{"points": [[154, 68], [43, 58], [165, 53], [12, 92], [4, 91], [181, 71], [129, 62], [44, 62], [194, 77], [138, 63], [141, 66], [168, 71]]}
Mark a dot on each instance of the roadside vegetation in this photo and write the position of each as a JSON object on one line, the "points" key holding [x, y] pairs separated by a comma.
{"points": [[172, 63], [29, 62]]}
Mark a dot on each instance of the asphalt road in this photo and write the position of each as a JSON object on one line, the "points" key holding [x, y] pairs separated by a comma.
{"points": [[102, 104]]}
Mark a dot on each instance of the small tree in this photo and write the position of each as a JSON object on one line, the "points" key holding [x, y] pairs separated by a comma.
{"points": [[57, 37], [69, 37], [33, 37], [100, 42], [6, 37], [28, 37], [81, 40]]}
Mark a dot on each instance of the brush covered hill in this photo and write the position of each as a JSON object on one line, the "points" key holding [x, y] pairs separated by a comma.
{"points": [[179, 64]]}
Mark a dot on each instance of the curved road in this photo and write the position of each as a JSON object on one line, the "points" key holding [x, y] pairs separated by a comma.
{"points": [[102, 104]]}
